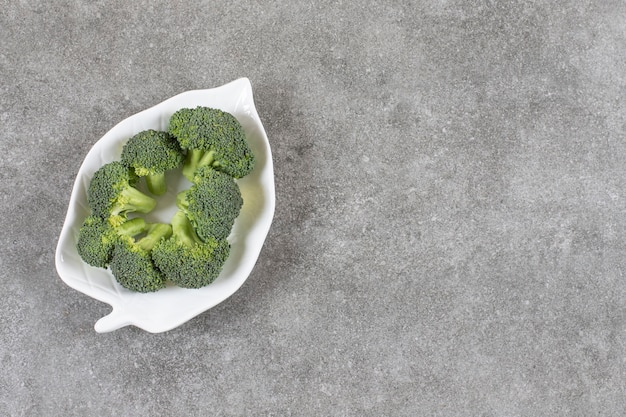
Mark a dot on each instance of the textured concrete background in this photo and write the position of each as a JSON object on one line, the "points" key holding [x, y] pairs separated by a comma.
{"points": [[450, 220]]}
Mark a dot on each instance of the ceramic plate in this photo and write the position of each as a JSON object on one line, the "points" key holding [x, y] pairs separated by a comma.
{"points": [[168, 308]]}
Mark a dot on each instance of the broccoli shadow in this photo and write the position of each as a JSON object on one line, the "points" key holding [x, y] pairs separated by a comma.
{"points": [[252, 210]]}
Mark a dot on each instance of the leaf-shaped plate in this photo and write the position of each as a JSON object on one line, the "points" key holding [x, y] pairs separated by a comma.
{"points": [[168, 308]]}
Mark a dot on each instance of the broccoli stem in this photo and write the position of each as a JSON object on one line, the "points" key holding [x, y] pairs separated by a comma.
{"points": [[191, 162], [156, 183], [155, 233], [132, 227], [131, 199], [181, 200], [207, 159], [195, 160], [183, 231]]}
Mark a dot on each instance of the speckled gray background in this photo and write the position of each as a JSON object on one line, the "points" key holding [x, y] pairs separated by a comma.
{"points": [[450, 218]]}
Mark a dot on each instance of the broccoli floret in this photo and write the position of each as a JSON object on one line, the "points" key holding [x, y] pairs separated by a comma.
{"points": [[131, 261], [151, 153], [185, 259], [96, 238], [212, 203], [211, 137], [111, 194]]}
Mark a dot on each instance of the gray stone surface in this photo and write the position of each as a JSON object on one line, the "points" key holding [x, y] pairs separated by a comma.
{"points": [[450, 219]]}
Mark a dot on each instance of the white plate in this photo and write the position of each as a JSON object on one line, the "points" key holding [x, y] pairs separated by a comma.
{"points": [[170, 307]]}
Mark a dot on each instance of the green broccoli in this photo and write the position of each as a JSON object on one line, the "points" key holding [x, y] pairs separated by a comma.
{"points": [[111, 194], [212, 203], [131, 261], [151, 153], [211, 137], [185, 259], [96, 238]]}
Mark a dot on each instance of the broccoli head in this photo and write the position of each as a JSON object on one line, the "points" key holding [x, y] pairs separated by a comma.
{"points": [[151, 153], [112, 195], [212, 203], [96, 238], [131, 260], [211, 137], [185, 259]]}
